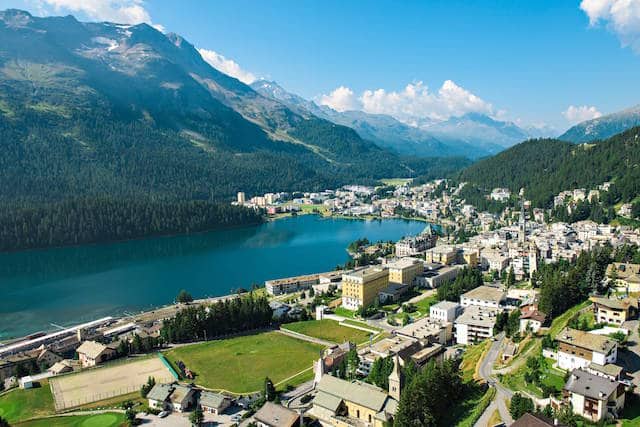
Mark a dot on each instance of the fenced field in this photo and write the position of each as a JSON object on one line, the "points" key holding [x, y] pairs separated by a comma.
{"points": [[70, 391]]}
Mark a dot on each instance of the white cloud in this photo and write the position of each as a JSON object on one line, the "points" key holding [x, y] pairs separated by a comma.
{"points": [[581, 113], [341, 99], [119, 11], [227, 66], [414, 102], [620, 16]]}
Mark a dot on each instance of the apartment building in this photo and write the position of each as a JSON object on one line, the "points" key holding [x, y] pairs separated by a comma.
{"points": [[578, 349], [483, 296], [594, 397], [360, 288], [445, 311], [475, 324], [405, 270], [444, 254], [614, 310]]}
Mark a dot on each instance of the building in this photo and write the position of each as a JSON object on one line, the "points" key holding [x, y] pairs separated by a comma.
{"points": [[432, 351], [578, 349], [594, 397], [427, 330], [500, 194], [534, 420], [392, 293], [532, 320], [92, 353], [611, 371], [436, 275], [291, 284], [494, 260], [483, 296], [444, 254], [360, 288], [626, 276], [416, 245], [174, 397], [241, 198], [445, 311], [26, 382], [273, 415], [614, 310], [405, 270], [475, 324], [64, 366], [343, 403], [214, 403]]}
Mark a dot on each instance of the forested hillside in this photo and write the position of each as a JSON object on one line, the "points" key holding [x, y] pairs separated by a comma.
{"points": [[546, 167]]}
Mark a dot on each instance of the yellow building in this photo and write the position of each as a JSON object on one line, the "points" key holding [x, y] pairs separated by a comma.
{"points": [[444, 254], [470, 258], [626, 276], [405, 270], [360, 287], [343, 403], [613, 310]]}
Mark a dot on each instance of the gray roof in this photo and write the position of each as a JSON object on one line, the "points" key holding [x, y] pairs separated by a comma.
{"points": [[212, 400], [593, 342], [394, 288], [362, 394], [478, 316], [590, 385], [160, 392], [446, 305], [276, 415], [486, 293]]}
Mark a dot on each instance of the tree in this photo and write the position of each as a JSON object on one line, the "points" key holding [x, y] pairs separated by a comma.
{"points": [[380, 371], [353, 361], [269, 390], [4, 423], [197, 417], [184, 297], [146, 388], [513, 323], [130, 416], [520, 405]]}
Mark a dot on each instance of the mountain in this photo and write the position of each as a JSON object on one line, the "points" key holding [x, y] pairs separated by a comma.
{"points": [[101, 108], [545, 167], [603, 127], [472, 135]]}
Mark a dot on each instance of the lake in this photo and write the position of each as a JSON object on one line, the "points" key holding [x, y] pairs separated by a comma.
{"points": [[63, 286]]}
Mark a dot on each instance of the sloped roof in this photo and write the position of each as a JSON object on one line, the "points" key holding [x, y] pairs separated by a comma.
{"points": [[211, 399], [590, 385], [91, 349], [593, 342], [276, 415], [362, 394], [160, 392]]}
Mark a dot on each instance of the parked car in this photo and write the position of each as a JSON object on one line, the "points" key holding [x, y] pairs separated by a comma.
{"points": [[163, 414]]}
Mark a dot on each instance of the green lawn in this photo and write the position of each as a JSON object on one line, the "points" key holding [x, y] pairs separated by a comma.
{"points": [[239, 365], [561, 321], [341, 311], [328, 330], [550, 377], [467, 412], [99, 420], [471, 357], [425, 304], [19, 405], [361, 324]]}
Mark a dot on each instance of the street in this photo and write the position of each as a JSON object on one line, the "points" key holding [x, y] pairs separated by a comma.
{"points": [[502, 393]]}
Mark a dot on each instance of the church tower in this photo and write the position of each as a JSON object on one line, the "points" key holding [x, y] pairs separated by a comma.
{"points": [[395, 379]]}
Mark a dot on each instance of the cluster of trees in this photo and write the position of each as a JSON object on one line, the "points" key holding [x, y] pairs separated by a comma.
{"points": [[467, 279], [90, 220], [520, 405], [146, 388], [545, 167], [430, 395], [347, 368], [218, 319], [594, 210], [563, 284], [139, 345], [507, 322]]}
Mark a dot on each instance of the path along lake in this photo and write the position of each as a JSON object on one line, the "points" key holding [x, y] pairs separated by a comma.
{"points": [[63, 286]]}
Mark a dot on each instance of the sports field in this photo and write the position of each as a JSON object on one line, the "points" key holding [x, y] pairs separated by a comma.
{"points": [[239, 365], [96, 384], [328, 330], [109, 419], [19, 404]]}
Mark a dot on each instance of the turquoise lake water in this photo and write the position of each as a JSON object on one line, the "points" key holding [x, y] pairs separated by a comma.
{"points": [[64, 286]]}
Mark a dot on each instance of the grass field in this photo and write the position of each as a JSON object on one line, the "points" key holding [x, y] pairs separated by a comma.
{"points": [[561, 321], [99, 420], [328, 330], [550, 377], [19, 405], [107, 382], [239, 365], [361, 324], [471, 357], [341, 311], [467, 412]]}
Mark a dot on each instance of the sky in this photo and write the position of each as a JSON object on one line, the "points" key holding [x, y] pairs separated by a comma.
{"points": [[537, 63]]}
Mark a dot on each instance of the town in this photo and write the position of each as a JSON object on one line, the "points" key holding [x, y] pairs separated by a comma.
{"points": [[474, 289]]}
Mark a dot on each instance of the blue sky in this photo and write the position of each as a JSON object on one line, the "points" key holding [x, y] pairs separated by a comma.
{"points": [[522, 61]]}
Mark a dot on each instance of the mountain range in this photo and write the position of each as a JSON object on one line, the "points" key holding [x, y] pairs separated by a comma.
{"points": [[104, 108], [603, 127], [471, 135]]}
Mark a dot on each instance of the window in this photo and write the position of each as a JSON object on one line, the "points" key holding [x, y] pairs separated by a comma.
{"points": [[358, 413]]}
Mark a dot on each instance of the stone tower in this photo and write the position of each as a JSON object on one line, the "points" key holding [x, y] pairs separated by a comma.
{"points": [[395, 379]]}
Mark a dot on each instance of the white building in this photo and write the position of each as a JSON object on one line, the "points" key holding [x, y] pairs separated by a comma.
{"points": [[577, 349], [483, 296], [445, 311], [475, 324]]}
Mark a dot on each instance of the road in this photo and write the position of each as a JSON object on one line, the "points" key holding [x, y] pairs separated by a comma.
{"points": [[502, 393]]}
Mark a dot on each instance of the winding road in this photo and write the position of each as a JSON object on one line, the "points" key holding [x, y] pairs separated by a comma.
{"points": [[502, 393]]}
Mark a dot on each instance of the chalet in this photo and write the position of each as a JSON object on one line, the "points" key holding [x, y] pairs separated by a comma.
{"points": [[92, 353], [594, 397], [626, 275], [532, 321], [614, 311], [174, 397], [214, 403], [578, 349]]}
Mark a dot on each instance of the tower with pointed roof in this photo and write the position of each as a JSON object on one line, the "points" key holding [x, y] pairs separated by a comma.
{"points": [[395, 379]]}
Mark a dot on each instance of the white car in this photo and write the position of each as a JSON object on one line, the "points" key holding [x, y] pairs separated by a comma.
{"points": [[163, 414]]}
